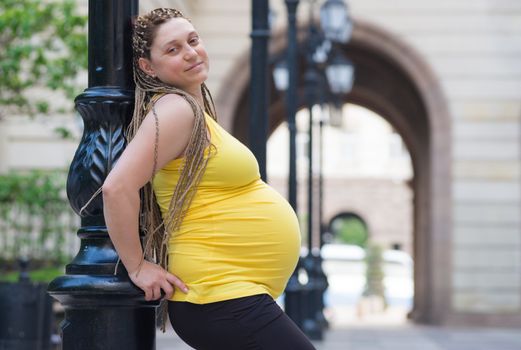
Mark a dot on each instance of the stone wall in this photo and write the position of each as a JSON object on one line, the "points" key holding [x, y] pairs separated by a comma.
{"points": [[474, 47]]}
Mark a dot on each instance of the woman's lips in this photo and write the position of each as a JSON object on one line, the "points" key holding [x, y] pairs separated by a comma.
{"points": [[193, 66]]}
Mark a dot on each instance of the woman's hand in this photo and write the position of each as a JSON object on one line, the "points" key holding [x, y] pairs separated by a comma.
{"points": [[151, 278]]}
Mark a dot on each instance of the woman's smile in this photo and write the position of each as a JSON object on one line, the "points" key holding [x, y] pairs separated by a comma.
{"points": [[198, 64]]}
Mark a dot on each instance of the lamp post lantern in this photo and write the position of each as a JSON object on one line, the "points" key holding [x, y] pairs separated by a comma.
{"points": [[340, 74], [335, 22], [281, 76]]}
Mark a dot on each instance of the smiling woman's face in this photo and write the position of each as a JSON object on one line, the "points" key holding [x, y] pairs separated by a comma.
{"points": [[177, 56]]}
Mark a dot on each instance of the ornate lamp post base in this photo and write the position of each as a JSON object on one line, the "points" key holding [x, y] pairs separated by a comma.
{"points": [[104, 312], [103, 309]]}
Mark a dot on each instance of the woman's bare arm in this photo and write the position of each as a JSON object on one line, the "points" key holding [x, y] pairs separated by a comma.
{"points": [[132, 171]]}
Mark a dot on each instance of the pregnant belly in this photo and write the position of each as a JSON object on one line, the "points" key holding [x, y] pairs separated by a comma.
{"points": [[232, 245]]}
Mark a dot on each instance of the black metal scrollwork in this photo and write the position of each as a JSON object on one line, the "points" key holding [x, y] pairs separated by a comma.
{"points": [[106, 114]]}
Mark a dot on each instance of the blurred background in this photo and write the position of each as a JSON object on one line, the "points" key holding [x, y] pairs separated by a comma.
{"points": [[415, 170]]}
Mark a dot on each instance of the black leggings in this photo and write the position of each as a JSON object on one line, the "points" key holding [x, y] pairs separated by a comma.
{"points": [[250, 323]]}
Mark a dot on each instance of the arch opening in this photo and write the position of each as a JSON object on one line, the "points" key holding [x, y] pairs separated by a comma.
{"points": [[393, 81]]}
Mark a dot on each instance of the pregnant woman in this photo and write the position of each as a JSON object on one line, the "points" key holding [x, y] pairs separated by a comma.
{"points": [[220, 244]]}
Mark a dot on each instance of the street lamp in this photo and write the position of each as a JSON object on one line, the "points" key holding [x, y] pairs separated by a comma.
{"points": [[336, 28], [335, 21], [293, 298], [286, 79], [340, 74], [302, 302], [281, 76], [258, 83]]}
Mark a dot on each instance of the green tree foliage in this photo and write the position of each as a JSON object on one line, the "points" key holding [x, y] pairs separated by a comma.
{"points": [[36, 220], [42, 44], [350, 230]]}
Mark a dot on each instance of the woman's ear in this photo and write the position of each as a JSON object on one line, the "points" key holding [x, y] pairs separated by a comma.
{"points": [[146, 66]]}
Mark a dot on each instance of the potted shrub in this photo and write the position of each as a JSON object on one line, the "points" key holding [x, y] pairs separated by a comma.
{"points": [[373, 297]]}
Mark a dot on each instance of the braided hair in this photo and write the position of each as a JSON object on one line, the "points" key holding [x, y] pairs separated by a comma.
{"points": [[158, 228]]}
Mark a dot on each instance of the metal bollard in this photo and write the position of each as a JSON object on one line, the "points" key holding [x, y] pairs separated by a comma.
{"points": [[26, 314], [322, 285], [293, 297], [310, 325]]}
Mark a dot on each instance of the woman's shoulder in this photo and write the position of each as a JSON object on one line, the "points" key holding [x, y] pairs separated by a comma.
{"points": [[174, 101], [173, 106]]}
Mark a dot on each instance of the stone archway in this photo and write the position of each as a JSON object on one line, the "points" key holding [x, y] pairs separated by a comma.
{"points": [[395, 82]]}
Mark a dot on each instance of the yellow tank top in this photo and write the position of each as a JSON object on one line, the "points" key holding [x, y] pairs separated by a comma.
{"points": [[239, 237]]}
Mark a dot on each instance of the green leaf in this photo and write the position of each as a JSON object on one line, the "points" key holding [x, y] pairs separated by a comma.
{"points": [[63, 132], [42, 106], [44, 44], [34, 208]]}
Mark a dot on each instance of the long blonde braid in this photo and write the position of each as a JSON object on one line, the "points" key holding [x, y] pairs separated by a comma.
{"points": [[158, 229]]}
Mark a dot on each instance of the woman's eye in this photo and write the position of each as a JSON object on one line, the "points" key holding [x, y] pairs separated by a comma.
{"points": [[172, 49], [194, 41]]}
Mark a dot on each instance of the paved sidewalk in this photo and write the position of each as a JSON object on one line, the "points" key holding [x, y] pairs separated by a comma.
{"points": [[403, 337]]}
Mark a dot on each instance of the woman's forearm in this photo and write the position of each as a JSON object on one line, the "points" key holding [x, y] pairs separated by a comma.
{"points": [[121, 211]]}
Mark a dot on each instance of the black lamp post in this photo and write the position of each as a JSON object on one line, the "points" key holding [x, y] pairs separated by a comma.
{"points": [[103, 309], [321, 277], [336, 28], [340, 77], [259, 82], [286, 80], [304, 303], [291, 99], [285, 76], [311, 325]]}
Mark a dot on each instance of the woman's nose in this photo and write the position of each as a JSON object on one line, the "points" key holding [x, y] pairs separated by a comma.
{"points": [[190, 52]]}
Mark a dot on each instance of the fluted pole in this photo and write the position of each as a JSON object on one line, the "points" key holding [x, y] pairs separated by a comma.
{"points": [[311, 325], [103, 309], [259, 83], [291, 99], [294, 290]]}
